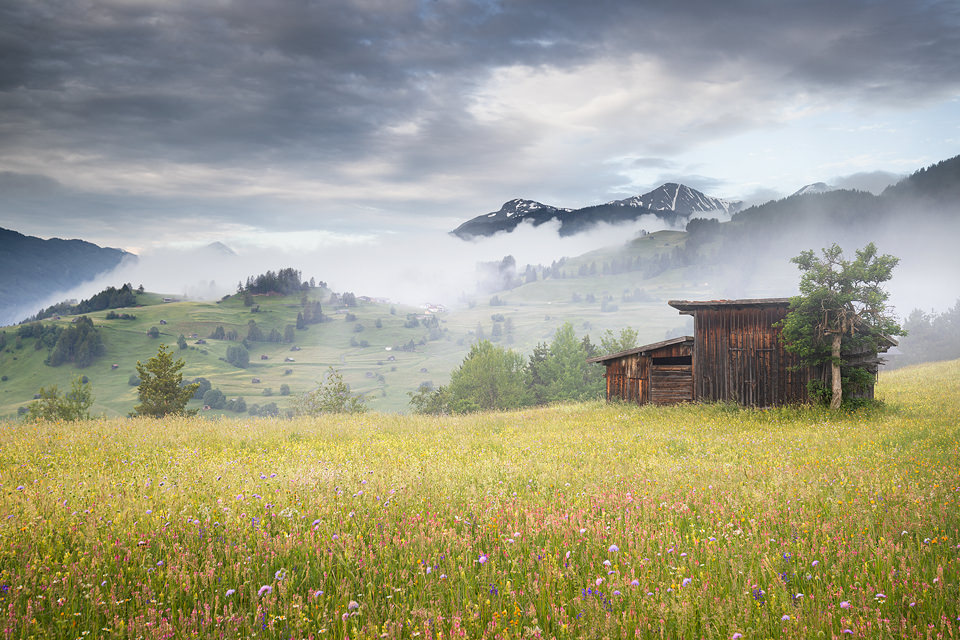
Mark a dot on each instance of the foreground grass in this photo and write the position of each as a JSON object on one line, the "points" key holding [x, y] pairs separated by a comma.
{"points": [[569, 522]]}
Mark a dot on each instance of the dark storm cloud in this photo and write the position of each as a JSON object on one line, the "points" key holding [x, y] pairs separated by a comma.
{"points": [[312, 89]]}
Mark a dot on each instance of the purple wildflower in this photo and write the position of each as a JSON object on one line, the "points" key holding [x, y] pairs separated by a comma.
{"points": [[613, 548], [230, 592], [265, 589]]}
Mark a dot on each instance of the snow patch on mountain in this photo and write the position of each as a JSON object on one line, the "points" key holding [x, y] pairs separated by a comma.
{"points": [[816, 187], [680, 199]]}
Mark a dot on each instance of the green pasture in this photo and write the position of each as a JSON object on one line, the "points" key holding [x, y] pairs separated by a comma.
{"points": [[576, 521]]}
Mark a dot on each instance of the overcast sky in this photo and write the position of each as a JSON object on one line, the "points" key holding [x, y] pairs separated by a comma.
{"points": [[140, 123]]}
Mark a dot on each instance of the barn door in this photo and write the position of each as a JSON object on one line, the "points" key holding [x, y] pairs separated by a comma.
{"points": [[753, 375]]}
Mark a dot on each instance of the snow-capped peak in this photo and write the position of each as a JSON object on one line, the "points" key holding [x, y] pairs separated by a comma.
{"points": [[678, 198], [816, 187]]}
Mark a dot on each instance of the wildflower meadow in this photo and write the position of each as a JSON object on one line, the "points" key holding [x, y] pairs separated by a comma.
{"points": [[576, 521]]}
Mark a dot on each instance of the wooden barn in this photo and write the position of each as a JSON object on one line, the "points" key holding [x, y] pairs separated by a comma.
{"points": [[735, 355], [738, 353], [661, 372]]}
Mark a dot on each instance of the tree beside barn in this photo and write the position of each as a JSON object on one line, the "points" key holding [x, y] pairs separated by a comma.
{"points": [[841, 313]]}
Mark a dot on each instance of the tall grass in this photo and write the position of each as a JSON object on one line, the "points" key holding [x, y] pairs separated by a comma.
{"points": [[582, 521]]}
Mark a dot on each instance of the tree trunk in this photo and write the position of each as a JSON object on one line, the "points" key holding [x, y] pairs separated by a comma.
{"points": [[837, 396]]}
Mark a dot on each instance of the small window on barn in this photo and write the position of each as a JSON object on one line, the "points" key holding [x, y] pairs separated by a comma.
{"points": [[673, 360]]}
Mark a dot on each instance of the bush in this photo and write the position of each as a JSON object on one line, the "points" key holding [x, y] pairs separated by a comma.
{"points": [[214, 399], [332, 396], [72, 406]]}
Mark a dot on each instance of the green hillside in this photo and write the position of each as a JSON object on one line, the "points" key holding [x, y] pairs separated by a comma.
{"points": [[382, 373]]}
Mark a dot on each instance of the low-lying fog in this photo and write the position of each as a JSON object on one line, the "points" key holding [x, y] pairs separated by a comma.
{"points": [[433, 266]]}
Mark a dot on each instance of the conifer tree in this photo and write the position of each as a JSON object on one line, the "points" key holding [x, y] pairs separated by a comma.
{"points": [[841, 308], [160, 391]]}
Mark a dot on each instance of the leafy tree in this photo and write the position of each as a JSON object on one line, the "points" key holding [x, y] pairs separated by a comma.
{"points": [[181, 342], [332, 396], [238, 356], [203, 385], [490, 378], [930, 337], [74, 405], [841, 309], [153, 332], [239, 405], [611, 343], [218, 333], [301, 322], [429, 400], [160, 390], [288, 333], [560, 372], [214, 399], [284, 389]]}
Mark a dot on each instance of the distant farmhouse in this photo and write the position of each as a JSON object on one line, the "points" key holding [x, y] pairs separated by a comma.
{"points": [[735, 355]]}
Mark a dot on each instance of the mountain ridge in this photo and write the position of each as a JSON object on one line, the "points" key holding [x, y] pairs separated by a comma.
{"points": [[34, 269], [671, 202]]}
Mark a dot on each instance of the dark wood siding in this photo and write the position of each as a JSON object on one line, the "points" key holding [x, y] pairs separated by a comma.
{"points": [[671, 383], [625, 378], [739, 357], [635, 377]]}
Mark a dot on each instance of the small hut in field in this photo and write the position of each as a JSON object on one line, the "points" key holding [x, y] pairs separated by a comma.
{"points": [[661, 372], [735, 355]]}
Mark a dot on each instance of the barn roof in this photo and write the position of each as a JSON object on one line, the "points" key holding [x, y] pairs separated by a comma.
{"points": [[645, 348], [689, 306]]}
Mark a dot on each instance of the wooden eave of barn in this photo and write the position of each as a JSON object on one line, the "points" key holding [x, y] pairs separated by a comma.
{"points": [[661, 372]]}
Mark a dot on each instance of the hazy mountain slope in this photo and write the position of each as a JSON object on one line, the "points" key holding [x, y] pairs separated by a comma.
{"points": [[939, 182], [32, 269]]}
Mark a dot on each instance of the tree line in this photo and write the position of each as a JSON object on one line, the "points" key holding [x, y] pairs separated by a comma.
{"points": [[493, 378], [79, 343], [286, 281], [109, 298]]}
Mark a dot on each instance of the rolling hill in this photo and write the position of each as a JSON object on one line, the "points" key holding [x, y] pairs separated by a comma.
{"points": [[368, 356]]}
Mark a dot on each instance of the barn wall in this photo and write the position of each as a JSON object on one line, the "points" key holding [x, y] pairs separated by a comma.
{"points": [[634, 378], [738, 358]]}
